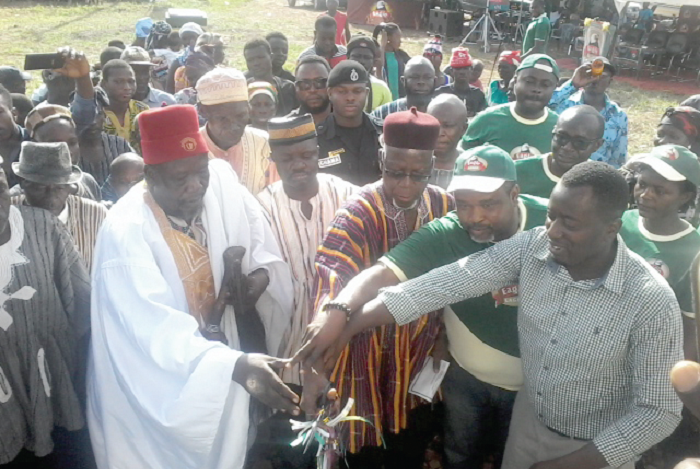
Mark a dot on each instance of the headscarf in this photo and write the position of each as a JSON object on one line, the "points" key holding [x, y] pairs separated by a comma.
{"points": [[511, 57], [262, 87], [685, 118], [159, 30]]}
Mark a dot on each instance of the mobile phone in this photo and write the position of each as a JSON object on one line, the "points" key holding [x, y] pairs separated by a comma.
{"points": [[43, 61]]}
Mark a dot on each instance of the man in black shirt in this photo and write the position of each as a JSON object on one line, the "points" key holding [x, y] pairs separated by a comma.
{"points": [[348, 142], [258, 59], [473, 97]]}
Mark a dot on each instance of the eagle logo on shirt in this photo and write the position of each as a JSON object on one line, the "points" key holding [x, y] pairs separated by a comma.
{"points": [[475, 164], [524, 151], [672, 154], [507, 296], [660, 266]]}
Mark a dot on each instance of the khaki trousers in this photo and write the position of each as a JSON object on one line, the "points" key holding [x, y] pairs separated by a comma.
{"points": [[530, 442]]}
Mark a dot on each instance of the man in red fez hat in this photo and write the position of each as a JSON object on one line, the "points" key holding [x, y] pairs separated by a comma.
{"points": [[172, 378], [381, 216], [462, 69]]}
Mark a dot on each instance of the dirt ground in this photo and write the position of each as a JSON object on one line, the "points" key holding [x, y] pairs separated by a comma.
{"points": [[31, 27]]}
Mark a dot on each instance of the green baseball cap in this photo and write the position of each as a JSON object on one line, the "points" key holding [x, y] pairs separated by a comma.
{"points": [[482, 169], [535, 61], [674, 163]]}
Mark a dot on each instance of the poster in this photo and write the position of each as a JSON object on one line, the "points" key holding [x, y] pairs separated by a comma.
{"points": [[597, 39]]}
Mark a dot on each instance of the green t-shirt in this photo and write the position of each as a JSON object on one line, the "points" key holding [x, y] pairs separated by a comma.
{"points": [[392, 74], [492, 318], [671, 256], [534, 176], [520, 137], [539, 28]]}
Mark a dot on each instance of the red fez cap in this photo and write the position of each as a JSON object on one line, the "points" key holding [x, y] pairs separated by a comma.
{"points": [[412, 130], [170, 133]]}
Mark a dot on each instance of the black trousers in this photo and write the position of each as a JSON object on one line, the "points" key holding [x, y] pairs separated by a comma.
{"points": [[72, 450]]}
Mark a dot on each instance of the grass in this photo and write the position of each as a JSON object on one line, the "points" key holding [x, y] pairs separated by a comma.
{"points": [[30, 27]]}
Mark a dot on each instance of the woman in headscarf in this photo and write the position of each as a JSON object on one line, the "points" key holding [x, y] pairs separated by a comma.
{"points": [[189, 33], [679, 125], [508, 61], [262, 99]]}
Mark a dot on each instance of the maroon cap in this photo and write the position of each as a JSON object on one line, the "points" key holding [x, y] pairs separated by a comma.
{"points": [[412, 130]]}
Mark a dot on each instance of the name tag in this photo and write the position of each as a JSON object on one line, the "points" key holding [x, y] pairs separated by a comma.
{"points": [[332, 159]]}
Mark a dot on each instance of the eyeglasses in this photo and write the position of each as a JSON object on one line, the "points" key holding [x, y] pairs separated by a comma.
{"points": [[307, 85], [400, 176], [579, 143]]}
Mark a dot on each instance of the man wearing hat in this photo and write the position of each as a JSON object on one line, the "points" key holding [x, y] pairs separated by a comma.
{"points": [[433, 52], [577, 135], [585, 88], [348, 142], [300, 208], [363, 50], [522, 128], [44, 333], [473, 97], [379, 217], [596, 391], [13, 79], [143, 29], [50, 181], [485, 369], [508, 62], [223, 101], [169, 386], [189, 33], [140, 62]]}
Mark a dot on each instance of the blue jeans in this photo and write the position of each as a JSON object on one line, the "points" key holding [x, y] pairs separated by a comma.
{"points": [[477, 417]]}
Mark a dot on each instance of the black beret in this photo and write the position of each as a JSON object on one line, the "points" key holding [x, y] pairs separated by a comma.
{"points": [[347, 72]]}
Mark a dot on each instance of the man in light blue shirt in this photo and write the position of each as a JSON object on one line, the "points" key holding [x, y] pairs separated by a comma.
{"points": [[584, 88]]}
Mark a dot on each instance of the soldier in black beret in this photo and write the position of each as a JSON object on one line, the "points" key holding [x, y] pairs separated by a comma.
{"points": [[348, 142]]}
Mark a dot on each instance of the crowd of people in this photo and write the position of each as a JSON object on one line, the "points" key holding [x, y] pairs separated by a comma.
{"points": [[185, 246]]}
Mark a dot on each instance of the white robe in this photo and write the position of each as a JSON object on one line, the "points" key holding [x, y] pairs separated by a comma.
{"points": [[160, 396]]}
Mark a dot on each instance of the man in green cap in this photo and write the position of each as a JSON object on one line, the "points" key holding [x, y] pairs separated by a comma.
{"points": [[667, 182], [577, 135], [538, 31], [522, 128], [485, 370]]}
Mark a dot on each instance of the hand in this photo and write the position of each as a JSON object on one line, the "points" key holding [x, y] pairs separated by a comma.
{"points": [[582, 77], [315, 384], [256, 373], [320, 335], [256, 284], [688, 464], [75, 66]]}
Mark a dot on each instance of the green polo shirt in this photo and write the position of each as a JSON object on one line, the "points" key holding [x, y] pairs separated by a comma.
{"points": [[482, 332], [671, 256], [539, 28], [521, 137], [534, 176]]}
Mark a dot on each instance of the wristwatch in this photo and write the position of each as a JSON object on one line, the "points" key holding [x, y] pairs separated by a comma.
{"points": [[338, 307], [212, 329]]}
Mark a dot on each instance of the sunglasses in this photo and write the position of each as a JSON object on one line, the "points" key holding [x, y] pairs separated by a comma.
{"points": [[579, 143], [400, 176], [307, 85]]}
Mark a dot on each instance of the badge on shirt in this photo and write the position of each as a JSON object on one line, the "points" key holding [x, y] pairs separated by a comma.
{"points": [[332, 159], [524, 151], [507, 296], [660, 266]]}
